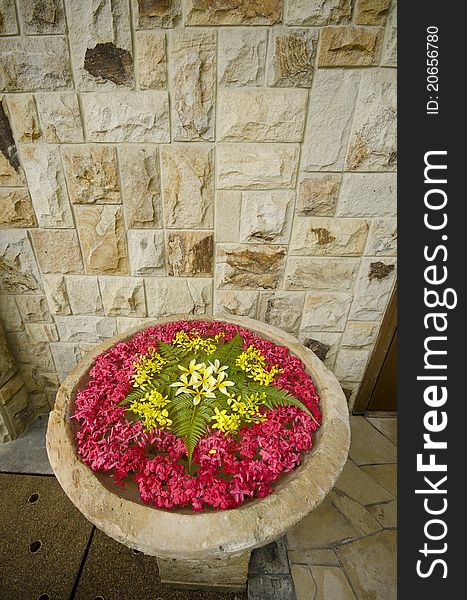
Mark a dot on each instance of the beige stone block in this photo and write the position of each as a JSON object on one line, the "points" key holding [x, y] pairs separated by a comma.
{"points": [[228, 209], [151, 14], [322, 236], [317, 195], [17, 412], [193, 81], [367, 195], [304, 584], [349, 47], [282, 309], [141, 186], [151, 60], [385, 475], [360, 334], [250, 266], [126, 323], [47, 185], [293, 52], [257, 166], [372, 289], [41, 332], [325, 311], [351, 364], [386, 425], [168, 296], [10, 175], [373, 141], [235, 302], [8, 23], [60, 117], [331, 582], [127, 116], [92, 174], [324, 344], [240, 12], [266, 217], [9, 314], [146, 252], [314, 556], [389, 50], [7, 362], [33, 309], [50, 69], [42, 17], [382, 239], [318, 12], [368, 445], [356, 484], [85, 328], [102, 237], [30, 352], [16, 208], [385, 514], [84, 295], [272, 115], [320, 273], [330, 112], [372, 12], [188, 186], [66, 357], [57, 250], [18, 267], [241, 56], [190, 253], [24, 118], [57, 295], [123, 296]]}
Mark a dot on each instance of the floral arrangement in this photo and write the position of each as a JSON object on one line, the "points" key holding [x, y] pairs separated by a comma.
{"points": [[198, 413]]}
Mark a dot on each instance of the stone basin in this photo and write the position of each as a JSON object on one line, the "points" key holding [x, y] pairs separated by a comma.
{"points": [[210, 549]]}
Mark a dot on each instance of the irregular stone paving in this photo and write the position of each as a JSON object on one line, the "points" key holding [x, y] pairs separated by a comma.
{"points": [[346, 548]]}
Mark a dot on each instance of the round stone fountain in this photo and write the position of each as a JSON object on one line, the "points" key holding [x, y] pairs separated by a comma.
{"points": [[209, 549]]}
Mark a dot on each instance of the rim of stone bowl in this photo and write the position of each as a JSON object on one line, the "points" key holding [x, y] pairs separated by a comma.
{"points": [[207, 534]]}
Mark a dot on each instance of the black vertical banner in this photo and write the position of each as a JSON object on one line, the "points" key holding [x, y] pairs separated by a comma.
{"points": [[431, 332]]}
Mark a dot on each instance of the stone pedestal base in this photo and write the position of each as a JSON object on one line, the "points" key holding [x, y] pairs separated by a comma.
{"points": [[225, 574]]}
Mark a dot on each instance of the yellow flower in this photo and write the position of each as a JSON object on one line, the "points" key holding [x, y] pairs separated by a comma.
{"points": [[224, 422], [146, 366], [152, 411], [223, 385]]}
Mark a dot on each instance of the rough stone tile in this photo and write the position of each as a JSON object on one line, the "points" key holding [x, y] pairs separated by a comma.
{"points": [[389, 50], [100, 42], [50, 69], [9, 314], [372, 12], [66, 357], [39, 17], [242, 56], [189, 253], [85, 329], [322, 236], [314, 556], [7, 361], [293, 52], [267, 588], [102, 237], [188, 186], [126, 323], [190, 296], [151, 14], [385, 514], [282, 309], [357, 484], [56, 293], [320, 273], [16, 208], [272, 116], [325, 12], [8, 23], [370, 564], [373, 141], [266, 217], [47, 185], [123, 296], [330, 112], [324, 344], [41, 332], [385, 475], [250, 266], [387, 426], [141, 187], [127, 116], [27, 454], [226, 12], [227, 213], [367, 195], [151, 60], [317, 195], [360, 334], [18, 268], [349, 46], [24, 118], [60, 117], [235, 302], [270, 560], [372, 288], [351, 364], [257, 166], [324, 311], [193, 81], [146, 252], [11, 172], [382, 238], [57, 250], [83, 295], [33, 309], [368, 446], [305, 586], [331, 582], [357, 514], [37, 353]]}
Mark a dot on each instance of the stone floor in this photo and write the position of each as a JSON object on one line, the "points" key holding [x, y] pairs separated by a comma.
{"points": [[344, 550]]}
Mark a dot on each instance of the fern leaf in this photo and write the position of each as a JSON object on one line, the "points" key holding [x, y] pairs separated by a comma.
{"points": [[276, 396], [172, 354], [190, 421], [228, 352]]}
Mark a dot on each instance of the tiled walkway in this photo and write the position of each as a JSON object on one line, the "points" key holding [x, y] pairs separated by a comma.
{"points": [[346, 548]]}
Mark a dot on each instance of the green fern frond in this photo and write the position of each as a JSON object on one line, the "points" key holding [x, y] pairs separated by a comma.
{"points": [[276, 397], [172, 354], [138, 393], [227, 353], [190, 421]]}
